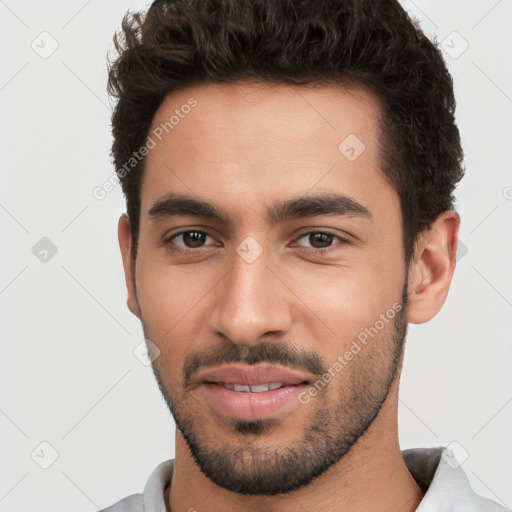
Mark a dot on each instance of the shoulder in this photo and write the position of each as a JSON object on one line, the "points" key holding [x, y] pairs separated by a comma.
{"points": [[133, 503], [152, 499]]}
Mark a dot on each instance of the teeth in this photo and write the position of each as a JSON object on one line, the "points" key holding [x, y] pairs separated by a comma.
{"points": [[258, 388], [242, 387]]}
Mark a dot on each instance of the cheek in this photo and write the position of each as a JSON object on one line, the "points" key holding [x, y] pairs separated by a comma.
{"points": [[167, 292], [343, 302], [170, 299]]}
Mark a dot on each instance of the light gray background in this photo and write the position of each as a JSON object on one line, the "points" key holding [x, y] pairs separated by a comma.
{"points": [[68, 373]]}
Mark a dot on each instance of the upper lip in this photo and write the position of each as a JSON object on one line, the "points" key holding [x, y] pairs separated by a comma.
{"points": [[252, 375]]}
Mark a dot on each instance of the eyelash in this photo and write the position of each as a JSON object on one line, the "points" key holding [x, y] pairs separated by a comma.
{"points": [[317, 252]]}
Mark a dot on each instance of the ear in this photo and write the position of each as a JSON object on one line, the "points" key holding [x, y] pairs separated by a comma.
{"points": [[124, 236], [432, 267]]}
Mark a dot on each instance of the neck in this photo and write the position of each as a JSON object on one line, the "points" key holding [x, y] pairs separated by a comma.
{"points": [[371, 476]]}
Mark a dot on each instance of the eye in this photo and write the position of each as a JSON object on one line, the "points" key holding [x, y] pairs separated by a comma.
{"points": [[193, 239], [320, 241]]}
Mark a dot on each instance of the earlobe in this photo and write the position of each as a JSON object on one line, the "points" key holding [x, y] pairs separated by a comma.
{"points": [[125, 244], [432, 268]]}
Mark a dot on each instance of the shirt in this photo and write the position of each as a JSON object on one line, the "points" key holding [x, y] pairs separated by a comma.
{"points": [[436, 471]]}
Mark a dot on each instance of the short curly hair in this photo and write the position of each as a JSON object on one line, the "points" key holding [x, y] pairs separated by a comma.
{"points": [[370, 43]]}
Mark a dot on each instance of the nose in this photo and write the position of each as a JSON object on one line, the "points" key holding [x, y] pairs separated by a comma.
{"points": [[251, 301]]}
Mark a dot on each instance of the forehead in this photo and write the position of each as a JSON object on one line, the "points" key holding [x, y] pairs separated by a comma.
{"points": [[231, 113], [248, 144]]}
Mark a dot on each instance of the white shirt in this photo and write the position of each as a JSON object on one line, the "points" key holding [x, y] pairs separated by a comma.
{"points": [[447, 486]]}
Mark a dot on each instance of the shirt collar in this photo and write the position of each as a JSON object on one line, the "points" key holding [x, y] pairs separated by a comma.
{"points": [[154, 490], [447, 487]]}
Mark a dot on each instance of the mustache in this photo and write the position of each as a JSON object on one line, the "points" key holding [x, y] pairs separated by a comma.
{"points": [[277, 353]]}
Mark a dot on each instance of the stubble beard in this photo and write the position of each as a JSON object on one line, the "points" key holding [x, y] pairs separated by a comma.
{"points": [[247, 466]]}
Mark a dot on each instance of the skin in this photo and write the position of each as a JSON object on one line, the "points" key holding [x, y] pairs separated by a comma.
{"points": [[244, 147]]}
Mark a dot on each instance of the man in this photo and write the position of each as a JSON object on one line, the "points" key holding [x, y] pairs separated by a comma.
{"points": [[289, 168]]}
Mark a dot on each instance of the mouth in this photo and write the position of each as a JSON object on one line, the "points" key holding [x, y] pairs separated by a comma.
{"points": [[258, 403], [252, 392], [256, 388]]}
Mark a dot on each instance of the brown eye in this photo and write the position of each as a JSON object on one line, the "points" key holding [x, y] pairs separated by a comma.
{"points": [[190, 239], [319, 240]]}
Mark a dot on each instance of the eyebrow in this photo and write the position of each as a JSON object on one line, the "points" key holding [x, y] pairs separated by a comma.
{"points": [[177, 205]]}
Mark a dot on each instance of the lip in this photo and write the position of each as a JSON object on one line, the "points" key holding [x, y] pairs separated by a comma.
{"points": [[252, 375], [250, 406]]}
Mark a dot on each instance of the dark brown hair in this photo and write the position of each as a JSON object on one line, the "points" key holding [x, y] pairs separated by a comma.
{"points": [[370, 43]]}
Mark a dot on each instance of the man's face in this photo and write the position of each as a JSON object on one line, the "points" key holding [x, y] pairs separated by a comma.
{"points": [[275, 279]]}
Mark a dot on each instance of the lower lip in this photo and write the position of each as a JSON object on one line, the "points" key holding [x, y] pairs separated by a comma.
{"points": [[251, 406]]}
